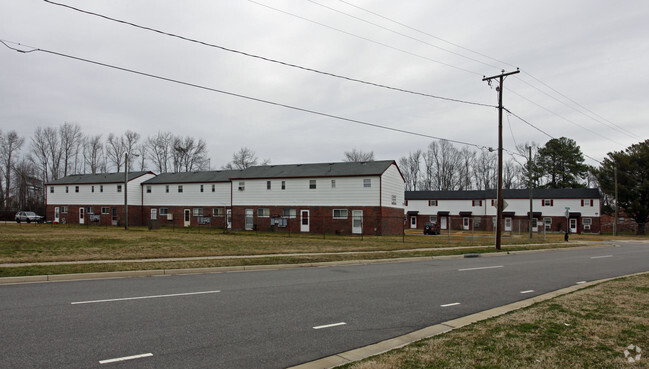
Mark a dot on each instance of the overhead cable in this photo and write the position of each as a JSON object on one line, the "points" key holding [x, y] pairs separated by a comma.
{"points": [[265, 58], [123, 69]]}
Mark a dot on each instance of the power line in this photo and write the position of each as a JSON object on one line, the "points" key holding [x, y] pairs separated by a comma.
{"points": [[265, 58], [426, 33], [367, 39], [402, 34], [123, 69], [594, 115]]}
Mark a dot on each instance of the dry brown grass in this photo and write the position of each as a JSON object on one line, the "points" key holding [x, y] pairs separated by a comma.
{"points": [[586, 329]]}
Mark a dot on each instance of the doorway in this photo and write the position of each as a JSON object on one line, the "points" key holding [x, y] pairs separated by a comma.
{"points": [[357, 221], [304, 221], [187, 219]]}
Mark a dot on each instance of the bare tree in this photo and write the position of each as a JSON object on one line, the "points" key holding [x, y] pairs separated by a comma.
{"points": [[467, 158], [442, 161], [115, 149], [188, 154], [93, 152], [10, 144], [29, 188], [158, 150], [358, 156], [130, 140], [70, 138], [485, 170], [409, 166], [245, 158]]}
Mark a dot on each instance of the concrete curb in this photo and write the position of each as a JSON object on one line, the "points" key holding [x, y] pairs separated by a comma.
{"points": [[208, 270], [401, 341]]}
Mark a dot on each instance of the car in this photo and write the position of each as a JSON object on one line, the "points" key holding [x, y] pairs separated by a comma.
{"points": [[431, 228], [28, 216]]}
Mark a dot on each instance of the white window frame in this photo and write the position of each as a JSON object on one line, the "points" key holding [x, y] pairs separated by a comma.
{"points": [[64, 209], [290, 213], [342, 213], [367, 182], [105, 210], [432, 219], [283, 185], [547, 202], [180, 188], [333, 183], [547, 223], [432, 202], [213, 187], [269, 185], [51, 189], [166, 188], [218, 212], [197, 212], [163, 211], [148, 189], [263, 212], [313, 184], [242, 185], [119, 188], [202, 188]]}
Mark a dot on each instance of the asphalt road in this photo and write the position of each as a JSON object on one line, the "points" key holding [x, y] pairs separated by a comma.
{"points": [[276, 318]]}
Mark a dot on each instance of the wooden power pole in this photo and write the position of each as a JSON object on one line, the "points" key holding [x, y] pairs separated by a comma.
{"points": [[499, 216]]}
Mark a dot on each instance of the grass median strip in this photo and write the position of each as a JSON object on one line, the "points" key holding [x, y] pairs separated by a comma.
{"points": [[589, 328]]}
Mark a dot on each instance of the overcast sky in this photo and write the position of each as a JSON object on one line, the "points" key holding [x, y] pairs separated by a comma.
{"points": [[573, 55]]}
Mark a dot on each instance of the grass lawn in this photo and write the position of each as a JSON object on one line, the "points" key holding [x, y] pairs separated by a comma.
{"points": [[38, 243], [590, 328]]}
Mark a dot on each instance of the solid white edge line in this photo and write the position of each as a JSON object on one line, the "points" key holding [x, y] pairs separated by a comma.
{"points": [[527, 291], [601, 257], [329, 325], [143, 297], [489, 267], [447, 305], [581, 282], [125, 358]]}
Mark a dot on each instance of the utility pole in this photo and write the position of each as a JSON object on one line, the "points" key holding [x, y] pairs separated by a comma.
{"points": [[499, 216], [529, 172], [616, 207]]}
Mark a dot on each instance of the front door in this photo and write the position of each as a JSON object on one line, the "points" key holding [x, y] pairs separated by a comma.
{"points": [[249, 220], [57, 214], [304, 221], [154, 214], [187, 219], [357, 221], [228, 218], [535, 225], [82, 215], [465, 223], [508, 224], [413, 221], [573, 225], [442, 224]]}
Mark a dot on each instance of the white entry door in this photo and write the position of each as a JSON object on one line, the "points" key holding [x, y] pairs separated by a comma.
{"points": [[442, 224], [535, 225], [508, 224], [465, 223], [82, 215], [154, 214], [573, 225], [250, 220], [57, 214], [357, 221], [187, 218], [413, 221], [228, 218], [304, 221]]}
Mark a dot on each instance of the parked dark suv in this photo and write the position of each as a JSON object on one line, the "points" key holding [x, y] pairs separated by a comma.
{"points": [[431, 228], [28, 216]]}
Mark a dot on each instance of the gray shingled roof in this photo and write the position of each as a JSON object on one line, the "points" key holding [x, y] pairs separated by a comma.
{"points": [[98, 178], [193, 177], [537, 193], [343, 169]]}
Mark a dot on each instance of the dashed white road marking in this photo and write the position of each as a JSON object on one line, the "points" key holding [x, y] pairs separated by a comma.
{"points": [[125, 358], [527, 291], [581, 282], [601, 257], [489, 267], [143, 297], [452, 304], [329, 325]]}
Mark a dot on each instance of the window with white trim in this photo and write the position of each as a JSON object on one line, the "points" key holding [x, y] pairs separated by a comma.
{"points": [[476, 203], [547, 223], [432, 202], [66, 189], [119, 188], [163, 211], [312, 184], [289, 213], [51, 189], [213, 187], [76, 189], [180, 188], [432, 219], [394, 200], [167, 188], [283, 185], [148, 189], [64, 209], [263, 212], [218, 212], [367, 182], [92, 189], [105, 210], [547, 202], [201, 188], [242, 186], [340, 213], [268, 185], [333, 183], [197, 212], [101, 188]]}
